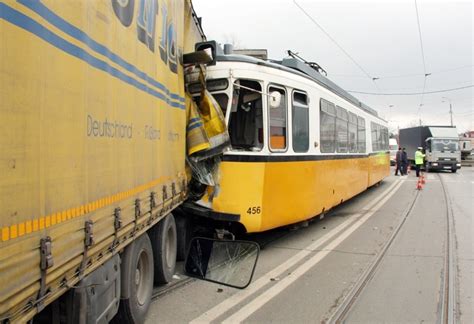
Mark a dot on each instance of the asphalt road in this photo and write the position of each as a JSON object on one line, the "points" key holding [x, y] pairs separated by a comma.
{"points": [[305, 275]]}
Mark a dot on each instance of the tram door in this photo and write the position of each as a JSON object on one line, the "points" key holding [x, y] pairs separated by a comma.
{"points": [[246, 116]]}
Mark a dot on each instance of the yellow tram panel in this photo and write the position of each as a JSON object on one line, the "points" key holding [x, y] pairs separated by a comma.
{"points": [[290, 192], [379, 167], [241, 188]]}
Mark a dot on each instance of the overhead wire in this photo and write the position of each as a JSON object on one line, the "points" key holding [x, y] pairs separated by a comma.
{"points": [[466, 113], [373, 79], [337, 44], [422, 56], [443, 85], [405, 75], [410, 93]]}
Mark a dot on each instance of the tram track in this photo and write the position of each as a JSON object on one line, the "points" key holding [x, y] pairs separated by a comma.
{"points": [[169, 288], [344, 308], [447, 302]]}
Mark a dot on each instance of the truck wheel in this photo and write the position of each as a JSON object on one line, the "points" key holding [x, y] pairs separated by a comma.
{"points": [[136, 281], [163, 238]]}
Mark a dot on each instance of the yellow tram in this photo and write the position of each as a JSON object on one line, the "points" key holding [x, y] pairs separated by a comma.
{"points": [[300, 144]]}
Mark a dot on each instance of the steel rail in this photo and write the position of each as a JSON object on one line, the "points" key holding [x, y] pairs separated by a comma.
{"points": [[448, 311], [341, 312], [159, 291]]}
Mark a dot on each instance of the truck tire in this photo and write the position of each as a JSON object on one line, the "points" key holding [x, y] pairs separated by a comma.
{"points": [[454, 170], [136, 281], [164, 242]]}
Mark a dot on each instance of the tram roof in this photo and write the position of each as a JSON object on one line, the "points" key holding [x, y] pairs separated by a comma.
{"points": [[297, 67]]}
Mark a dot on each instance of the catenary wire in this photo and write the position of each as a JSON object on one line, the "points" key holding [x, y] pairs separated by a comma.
{"points": [[337, 44], [405, 75], [422, 56], [410, 93], [419, 89]]}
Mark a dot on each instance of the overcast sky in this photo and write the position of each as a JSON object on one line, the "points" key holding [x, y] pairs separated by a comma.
{"points": [[381, 37]]}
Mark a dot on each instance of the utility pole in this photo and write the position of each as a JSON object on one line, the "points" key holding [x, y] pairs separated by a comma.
{"points": [[451, 112], [450, 108]]}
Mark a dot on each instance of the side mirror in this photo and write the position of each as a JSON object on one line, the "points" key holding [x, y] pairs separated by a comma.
{"points": [[274, 99], [231, 263]]}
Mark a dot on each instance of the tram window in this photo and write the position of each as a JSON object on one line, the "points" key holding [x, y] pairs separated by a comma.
{"points": [[246, 118], [342, 119], [384, 143], [382, 138], [327, 126], [379, 137], [300, 122], [277, 123], [361, 134], [352, 131], [373, 131], [380, 133]]}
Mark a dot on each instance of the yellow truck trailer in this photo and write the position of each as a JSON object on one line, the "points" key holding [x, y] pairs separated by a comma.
{"points": [[92, 154]]}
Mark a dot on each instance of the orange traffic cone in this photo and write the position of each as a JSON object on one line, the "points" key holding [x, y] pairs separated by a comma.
{"points": [[423, 179], [419, 186]]}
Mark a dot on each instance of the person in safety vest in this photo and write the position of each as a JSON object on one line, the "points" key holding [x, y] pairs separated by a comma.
{"points": [[419, 156]]}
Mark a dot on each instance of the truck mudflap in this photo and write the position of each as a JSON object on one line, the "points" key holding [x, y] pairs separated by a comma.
{"points": [[95, 299], [202, 211]]}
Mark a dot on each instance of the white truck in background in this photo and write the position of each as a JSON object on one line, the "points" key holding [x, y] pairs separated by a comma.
{"points": [[440, 144]]}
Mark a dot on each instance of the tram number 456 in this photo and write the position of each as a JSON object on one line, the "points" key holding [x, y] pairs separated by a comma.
{"points": [[254, 210]]}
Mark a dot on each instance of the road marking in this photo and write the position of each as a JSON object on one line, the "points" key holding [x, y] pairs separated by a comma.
{"points": [[269, 294], [241, 295]]}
